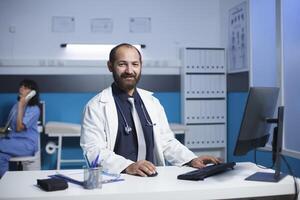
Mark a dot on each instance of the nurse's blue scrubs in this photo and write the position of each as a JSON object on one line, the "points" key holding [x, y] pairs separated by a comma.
{"points": [[24, 143]]}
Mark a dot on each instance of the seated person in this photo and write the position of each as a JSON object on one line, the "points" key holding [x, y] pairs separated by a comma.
{"points": [[23, 136], [128, 127]]}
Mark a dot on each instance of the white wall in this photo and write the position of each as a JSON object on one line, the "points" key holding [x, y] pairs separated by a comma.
{"points": [[264, 70], [174, 24], [291, 62]]}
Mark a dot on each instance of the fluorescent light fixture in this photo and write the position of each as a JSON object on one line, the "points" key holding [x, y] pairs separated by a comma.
{"points": [[96, 46], [91, 51]]}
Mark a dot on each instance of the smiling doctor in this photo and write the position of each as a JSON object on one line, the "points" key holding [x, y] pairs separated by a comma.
{"points": [[128, 127]]}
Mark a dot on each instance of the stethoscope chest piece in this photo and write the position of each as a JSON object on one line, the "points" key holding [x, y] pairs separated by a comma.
{"points": [[128, 129]]}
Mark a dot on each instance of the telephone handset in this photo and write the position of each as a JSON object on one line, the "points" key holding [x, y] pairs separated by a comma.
{"points": [[5, 129], [31, 94]]}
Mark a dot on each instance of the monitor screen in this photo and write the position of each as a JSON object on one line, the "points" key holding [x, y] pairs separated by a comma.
{"points": [[254, 130]]}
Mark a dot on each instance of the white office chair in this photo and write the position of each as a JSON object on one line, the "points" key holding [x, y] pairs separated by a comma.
{"points": [[32, 162], [25, 160], [28, 162]]}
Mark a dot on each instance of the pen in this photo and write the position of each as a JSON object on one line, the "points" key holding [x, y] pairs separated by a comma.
{"points": [[112, 180], [87, 160], [74, 181], [113, 175], [69, 179], [95, 162]]}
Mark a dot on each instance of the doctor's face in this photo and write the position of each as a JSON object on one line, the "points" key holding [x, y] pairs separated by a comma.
{"points": [[126, 68]]}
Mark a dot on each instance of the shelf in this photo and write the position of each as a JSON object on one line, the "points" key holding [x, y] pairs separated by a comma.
{"points": [[80, 67], [204, 100]]}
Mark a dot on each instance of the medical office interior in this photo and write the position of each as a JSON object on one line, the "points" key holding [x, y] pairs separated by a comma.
{"points": [[242, 36]]}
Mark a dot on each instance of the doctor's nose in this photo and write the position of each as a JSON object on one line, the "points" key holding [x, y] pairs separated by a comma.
{"points": [[129, 69]]}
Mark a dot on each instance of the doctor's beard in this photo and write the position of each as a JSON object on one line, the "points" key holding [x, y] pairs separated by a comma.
{"points": [[124, 84]]}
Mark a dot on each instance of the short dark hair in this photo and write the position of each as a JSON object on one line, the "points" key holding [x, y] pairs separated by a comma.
{"points": [[33, 86], [112, 54]]}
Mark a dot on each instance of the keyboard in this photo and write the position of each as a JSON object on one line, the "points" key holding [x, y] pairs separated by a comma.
{"points": [[201, 174]]}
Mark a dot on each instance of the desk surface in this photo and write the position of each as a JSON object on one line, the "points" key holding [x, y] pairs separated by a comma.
{"points": [[20, 185]]}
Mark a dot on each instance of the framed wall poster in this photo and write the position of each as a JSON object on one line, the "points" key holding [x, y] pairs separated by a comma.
{"points": [[101, 25], [63, 24], [140, 25], [238, 51]]}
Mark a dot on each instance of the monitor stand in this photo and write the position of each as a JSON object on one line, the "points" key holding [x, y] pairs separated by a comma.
{"points": [[276, 152], [265, 177]]}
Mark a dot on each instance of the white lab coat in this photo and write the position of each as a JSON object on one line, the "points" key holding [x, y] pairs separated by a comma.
{"points": [[100, 126]]}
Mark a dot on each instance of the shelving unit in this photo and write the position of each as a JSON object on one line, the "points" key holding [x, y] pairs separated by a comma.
{"points": [[203, 86], [80, 67]]}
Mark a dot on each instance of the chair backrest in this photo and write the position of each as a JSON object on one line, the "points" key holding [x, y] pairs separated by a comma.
{"points": [[41, 121], [25, 158]]}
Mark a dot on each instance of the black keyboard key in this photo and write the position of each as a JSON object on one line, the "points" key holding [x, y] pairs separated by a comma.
{"points": [[201, 174]]}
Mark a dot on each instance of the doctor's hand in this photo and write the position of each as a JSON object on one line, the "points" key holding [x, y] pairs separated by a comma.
{"points": [[201, 161], [141, 168]]}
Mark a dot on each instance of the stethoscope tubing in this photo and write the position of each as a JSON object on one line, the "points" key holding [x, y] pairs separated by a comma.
{"points": [[127, 128]]}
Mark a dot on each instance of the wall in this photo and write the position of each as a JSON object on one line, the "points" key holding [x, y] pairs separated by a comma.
{"points": [[263, 44], [238, 81], [291, 62], [263, 62], [69, 109], [174, 24], [197, 23]]}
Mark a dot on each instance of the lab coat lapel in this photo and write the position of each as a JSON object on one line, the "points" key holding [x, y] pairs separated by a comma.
{"points": [[111, 116]]}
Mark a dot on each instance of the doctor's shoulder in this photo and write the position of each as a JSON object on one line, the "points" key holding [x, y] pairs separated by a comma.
{"points": [[147, 94], [100, 100], [94, 101]]}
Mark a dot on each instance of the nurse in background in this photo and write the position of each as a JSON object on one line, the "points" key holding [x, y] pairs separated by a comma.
{"points": [[23, 136]]}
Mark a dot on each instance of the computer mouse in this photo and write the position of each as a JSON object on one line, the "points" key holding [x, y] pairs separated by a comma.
{"points": [[152, 175]]}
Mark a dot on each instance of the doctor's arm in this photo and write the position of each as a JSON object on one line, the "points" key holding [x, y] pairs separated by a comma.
{"points": [[175, 152]]}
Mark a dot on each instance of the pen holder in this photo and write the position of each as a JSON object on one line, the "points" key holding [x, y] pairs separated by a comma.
{"points": [[92, 178]]}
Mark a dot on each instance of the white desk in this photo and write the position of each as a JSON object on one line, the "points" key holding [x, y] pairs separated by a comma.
{"points": [[61, 130], [20, 185]]}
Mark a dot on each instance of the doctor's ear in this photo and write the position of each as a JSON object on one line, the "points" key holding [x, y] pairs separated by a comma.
{"points": [[110, 66]]}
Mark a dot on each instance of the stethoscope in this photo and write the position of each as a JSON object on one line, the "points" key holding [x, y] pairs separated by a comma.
{"points": [[127, 128]]}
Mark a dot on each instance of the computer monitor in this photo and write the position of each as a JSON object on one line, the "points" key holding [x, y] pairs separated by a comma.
{"points": [[255, 127]]}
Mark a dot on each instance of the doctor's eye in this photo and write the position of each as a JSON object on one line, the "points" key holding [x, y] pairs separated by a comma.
{"points": [[136, 64], [122, 64]]}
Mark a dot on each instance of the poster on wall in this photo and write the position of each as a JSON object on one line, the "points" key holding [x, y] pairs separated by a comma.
{"points": [[63, 24], [140, 25], [238, 39], [101, 25]]}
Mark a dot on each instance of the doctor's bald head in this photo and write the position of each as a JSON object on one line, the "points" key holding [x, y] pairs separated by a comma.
{"points": [[113, 52]]}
